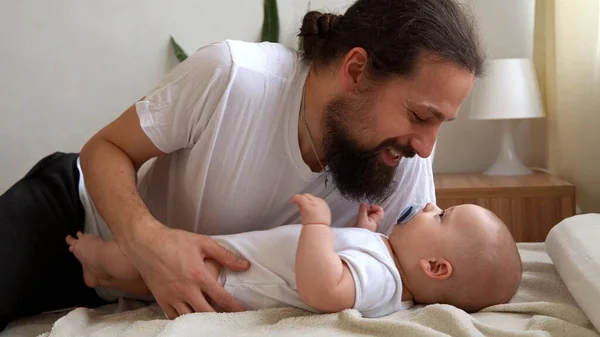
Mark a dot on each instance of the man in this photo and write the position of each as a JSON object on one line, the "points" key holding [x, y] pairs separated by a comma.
{"points": [[236, 130]]}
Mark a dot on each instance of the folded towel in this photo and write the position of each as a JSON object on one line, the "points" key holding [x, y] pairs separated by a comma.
{"points": [[542, 307]]}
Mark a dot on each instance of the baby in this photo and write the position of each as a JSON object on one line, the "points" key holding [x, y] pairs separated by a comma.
{"points": [[463, 256]]}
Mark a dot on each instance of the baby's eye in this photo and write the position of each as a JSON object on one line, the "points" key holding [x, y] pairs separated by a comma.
{"points": [[442, 214]]}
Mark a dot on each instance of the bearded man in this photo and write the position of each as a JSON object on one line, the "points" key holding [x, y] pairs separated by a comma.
{"points": [[235, 131]]}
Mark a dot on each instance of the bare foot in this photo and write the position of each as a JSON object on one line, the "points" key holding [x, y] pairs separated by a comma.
{"points": [[85, 248]]}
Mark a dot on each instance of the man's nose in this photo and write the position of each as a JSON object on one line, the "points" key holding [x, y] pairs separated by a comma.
{"points": [[424, 141]]}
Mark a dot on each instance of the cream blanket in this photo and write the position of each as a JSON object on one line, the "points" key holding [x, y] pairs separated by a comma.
{"points": [[542, 307]]}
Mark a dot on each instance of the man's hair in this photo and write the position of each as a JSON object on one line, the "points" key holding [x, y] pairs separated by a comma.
{"points": [[395, 34]]}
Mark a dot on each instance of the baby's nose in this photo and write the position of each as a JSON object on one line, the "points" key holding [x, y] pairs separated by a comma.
{"points": [[431, 207]]}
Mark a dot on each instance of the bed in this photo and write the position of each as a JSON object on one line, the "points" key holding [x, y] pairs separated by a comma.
{"points": [[559, 296]]}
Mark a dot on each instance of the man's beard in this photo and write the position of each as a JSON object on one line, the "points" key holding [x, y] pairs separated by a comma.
{"points": [[357, 171]]}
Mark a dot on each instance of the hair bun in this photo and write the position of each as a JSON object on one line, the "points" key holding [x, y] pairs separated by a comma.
{"points": [[319, 24], [316, 27], [326, 23]]}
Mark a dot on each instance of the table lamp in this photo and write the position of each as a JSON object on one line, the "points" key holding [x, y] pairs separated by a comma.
{"points": [[508, 91]]}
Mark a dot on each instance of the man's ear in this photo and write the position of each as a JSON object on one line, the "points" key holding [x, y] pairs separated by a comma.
{"points": [[436, 268], [353, 69]]}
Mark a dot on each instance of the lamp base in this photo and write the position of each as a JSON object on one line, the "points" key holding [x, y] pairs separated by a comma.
{"points": [[507, 163]]}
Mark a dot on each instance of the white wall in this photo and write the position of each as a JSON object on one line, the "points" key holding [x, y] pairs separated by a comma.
{"points": [[67, 67]]}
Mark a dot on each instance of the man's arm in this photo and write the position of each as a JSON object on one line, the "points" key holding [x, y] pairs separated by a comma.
{"points": [[171, 118], [323, 279], [109, 161]]}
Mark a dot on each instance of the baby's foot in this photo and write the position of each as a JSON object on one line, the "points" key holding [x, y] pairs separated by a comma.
{"points": [[85, 248]]}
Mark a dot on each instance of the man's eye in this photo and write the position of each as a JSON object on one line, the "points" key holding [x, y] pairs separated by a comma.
{"points": [[417, 117]]}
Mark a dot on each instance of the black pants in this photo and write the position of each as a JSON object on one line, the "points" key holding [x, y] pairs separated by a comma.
{"points": [[37, 271]]}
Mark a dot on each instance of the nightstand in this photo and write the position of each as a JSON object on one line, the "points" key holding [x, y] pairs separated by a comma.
{"points": [[529, 205]]}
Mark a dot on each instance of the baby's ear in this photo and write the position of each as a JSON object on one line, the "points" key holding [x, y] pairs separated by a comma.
{"points": [[436, 268]]}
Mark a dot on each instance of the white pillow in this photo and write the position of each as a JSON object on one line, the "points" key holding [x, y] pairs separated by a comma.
{"points": [[574, 247]]}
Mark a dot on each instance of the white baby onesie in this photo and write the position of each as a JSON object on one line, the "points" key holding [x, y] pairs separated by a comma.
{"points": [[271, 279]]}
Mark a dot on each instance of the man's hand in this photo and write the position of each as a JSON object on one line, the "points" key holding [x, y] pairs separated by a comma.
{"points": [[314, 210], [369, 217], [171, 261]]}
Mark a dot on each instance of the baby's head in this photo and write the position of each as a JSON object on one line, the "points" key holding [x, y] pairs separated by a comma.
{"points": [[463, 256]]}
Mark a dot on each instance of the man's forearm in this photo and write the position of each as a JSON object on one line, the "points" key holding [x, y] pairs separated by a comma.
{"points": [[111, 180]]}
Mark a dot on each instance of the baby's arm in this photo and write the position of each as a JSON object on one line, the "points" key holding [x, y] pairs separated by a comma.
{"points": [[369, 217], [324, 281]]}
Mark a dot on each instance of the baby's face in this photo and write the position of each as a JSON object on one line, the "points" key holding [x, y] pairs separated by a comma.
{"points": [[429, 232]]}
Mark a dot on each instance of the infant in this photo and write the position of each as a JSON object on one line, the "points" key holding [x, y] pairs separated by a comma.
{"points": [[462, 256]]}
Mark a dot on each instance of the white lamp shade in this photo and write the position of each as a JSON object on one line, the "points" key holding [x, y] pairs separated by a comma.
{"points": [[508, 90]]}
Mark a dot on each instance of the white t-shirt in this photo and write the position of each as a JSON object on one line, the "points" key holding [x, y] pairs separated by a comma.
{"points": [[227, 117], [270, 282]]}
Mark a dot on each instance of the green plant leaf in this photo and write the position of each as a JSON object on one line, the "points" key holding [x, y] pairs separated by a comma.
{"points": [[270, 29], [181, 55]]}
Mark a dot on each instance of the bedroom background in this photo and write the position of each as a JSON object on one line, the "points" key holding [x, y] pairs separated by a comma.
{"points": [[68, 67]]}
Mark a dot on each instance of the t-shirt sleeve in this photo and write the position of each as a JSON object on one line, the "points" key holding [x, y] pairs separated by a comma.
{"points": [[375, 286], [176, 112], [415, 186]]}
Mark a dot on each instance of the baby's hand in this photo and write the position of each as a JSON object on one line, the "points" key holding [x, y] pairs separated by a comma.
{"points": [[314, 210], [369, 217]]}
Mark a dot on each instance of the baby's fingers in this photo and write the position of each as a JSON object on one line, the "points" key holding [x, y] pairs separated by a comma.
{"points": [[375, 208], [376, 214]]}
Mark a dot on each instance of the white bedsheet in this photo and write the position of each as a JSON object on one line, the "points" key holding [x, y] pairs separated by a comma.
{"points": [[542, 307], [574, 247]]}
